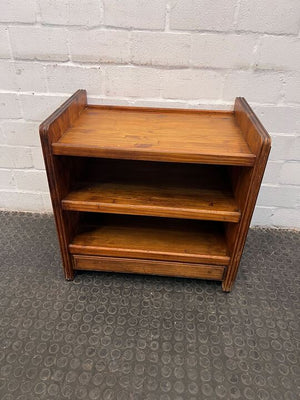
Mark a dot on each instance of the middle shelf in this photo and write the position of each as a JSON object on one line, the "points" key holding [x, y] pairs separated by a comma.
{"points": [[154, 189]]}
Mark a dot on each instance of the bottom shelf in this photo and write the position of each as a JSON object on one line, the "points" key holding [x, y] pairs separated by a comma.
{"points": [[151, 238]]}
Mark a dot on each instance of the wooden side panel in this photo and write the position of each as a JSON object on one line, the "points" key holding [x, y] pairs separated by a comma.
{"points": [[59, 171], [246, 184], [131, 265]]}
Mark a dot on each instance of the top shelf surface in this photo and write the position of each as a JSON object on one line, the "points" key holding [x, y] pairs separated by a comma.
{"points": [[210, 137]]}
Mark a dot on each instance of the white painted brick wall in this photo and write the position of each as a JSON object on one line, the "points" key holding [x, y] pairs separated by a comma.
{"points": [[38, 106], [104, 46], [292, 87], [256, 86], [10, 105], [30, 77], [278, 53], [171, 53], [67, 78], [4, 42], [290, 173], [130, 81], [138, 14], [7, 179], [8, 76], [18, 11], [39, 43], [19, 133], [222, 51], [161, 48], [192, 84], [70, 12], [31, 180], [202, 15], [269, 16], [15, 157]]}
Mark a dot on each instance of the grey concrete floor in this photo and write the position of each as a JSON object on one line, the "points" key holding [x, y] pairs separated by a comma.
{"points": [[113, 336]]}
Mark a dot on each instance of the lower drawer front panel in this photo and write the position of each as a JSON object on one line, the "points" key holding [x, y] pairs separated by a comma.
{"points": [[148, 267]]}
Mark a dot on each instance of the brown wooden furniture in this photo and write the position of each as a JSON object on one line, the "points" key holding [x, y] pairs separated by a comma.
{"points": [[154, 191]]}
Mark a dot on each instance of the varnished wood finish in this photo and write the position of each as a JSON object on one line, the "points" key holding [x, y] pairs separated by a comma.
{"points": [[156, 134], [153, 238], [58, 171], [139, 266], [155, 189], [148, 164], [246, 184]]}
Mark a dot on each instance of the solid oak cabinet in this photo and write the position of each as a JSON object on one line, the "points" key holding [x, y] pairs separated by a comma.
{"points": [[153, 191]]}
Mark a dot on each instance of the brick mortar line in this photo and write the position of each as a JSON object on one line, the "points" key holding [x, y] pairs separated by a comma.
{"points": [[16, 190], [202, 101], [167, 16], [158, 30], [95, 64], [236, 13]]}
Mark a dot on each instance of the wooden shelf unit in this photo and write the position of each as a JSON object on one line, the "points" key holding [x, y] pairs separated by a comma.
{"points": [[154, 191]]}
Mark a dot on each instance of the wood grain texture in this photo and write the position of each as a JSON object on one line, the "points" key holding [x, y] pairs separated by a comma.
{"points": [[155, 189], [152, 238], [246, 184], [140, 266], [58, 171], [159, 135]]}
